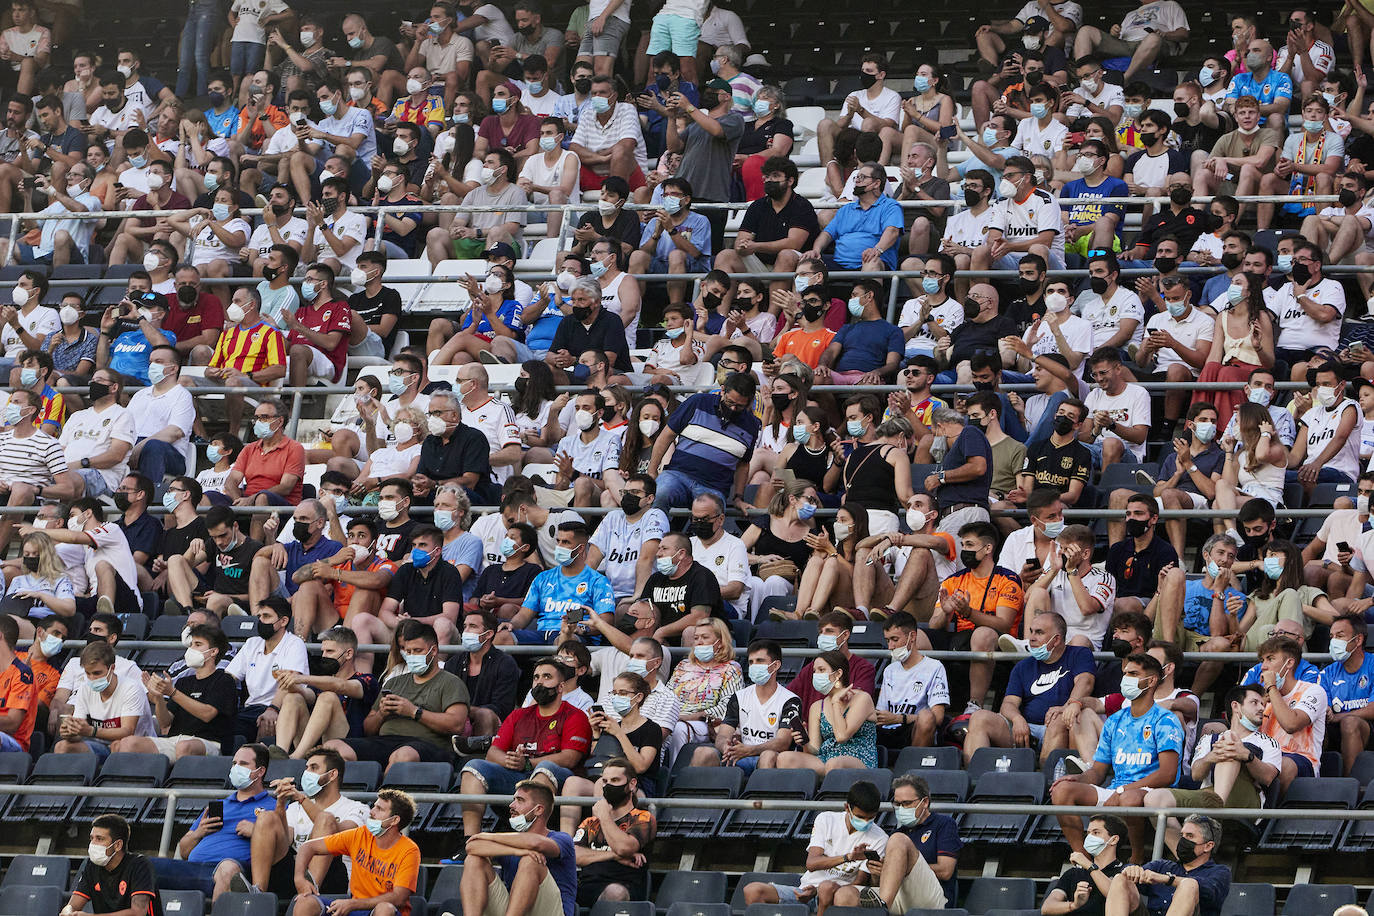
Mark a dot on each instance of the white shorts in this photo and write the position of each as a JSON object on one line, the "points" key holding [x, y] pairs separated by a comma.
{"points": [[167, 747], [1013, 261], [1199, 501], [1103, 795], [321, 366]]}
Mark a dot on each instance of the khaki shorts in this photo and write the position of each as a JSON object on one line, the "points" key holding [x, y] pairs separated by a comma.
{"points": [[551, 499], [548, 903], [920, 890], [1111, 46], [1201, 798], [167, 747]]}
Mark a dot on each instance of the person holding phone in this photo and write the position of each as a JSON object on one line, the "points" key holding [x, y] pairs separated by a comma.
{"points": [[1295, 716]]}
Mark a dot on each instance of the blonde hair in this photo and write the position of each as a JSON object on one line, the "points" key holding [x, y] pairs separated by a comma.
{"points": [[725, 652], [415, 417], [50, 568]]}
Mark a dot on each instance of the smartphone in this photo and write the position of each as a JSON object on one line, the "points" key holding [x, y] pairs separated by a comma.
{"points": [[1344, 546], [872, 856], [215, 810], [596, 708], [577, 614], [1033, 562]]}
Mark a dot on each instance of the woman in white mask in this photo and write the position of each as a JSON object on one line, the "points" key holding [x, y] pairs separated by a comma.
{"points": [[399, 458]]}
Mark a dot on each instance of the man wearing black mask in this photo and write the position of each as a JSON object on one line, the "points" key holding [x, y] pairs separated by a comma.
{"points": [[1192, 884], [274, 648], [1180, 219], [1256, 524], [627, 539], [308, 525], [1029, 306], [1137, 560], [776, 227], [715, 434], [141, 530], [193, 315]]}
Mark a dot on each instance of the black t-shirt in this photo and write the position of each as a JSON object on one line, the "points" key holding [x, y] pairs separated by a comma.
{"points": [[674, 598], [395, 542], [1024, 313], [757, 137], [113, 890], [466, 452], [971, 443], [972, 336], [1201, 137], [495, 686], [1140, 578], [648, 734], [144, 533], [770, 225], [1185, 226], [626, 228], [372, 308], [606, 335], [496, 580], [1057, 467], [768, 542], [1068, 883], [176, 540], [229, 571], [219, 690], [424, 596]]}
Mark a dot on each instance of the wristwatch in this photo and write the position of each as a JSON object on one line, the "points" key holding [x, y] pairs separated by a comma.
{"points": [[417, 714], [85, 462]]}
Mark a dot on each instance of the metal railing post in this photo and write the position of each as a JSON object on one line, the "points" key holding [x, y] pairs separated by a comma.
{"points": [[164, 844], [296, 401], [1161, 824]]}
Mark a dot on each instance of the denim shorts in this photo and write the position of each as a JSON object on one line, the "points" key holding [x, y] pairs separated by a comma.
{"points": [[501, 781], [246, 57]]}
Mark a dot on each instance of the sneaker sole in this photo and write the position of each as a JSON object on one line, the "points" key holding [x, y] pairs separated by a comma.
{"points": [[1007, 643], [104, 605]]}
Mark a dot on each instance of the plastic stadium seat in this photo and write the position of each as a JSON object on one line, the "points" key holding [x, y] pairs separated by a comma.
{"points": [[1359, 835], [765, 823], [849, 911], [1306, 899], [240, 627], [691, 887], [1245, 899], [1007, 893], [258, 904], [30, 898], [33, 871], [182, 903], [1362, 772], [780, 603], [419, 776], [280, 769], [14, 766], [1313, 835], [919, 760], [803, 91], [1122, 477], [811, 184], [836, 783], [991, 759], [791, 878], [867, 634], [787, 633], [776, 909], [163, 628], [444, 896], [190, 773], [698, 782], [699, 909], [918, 911], [622, 908], [1001, 829], [361, 776], [542, 257], [1324, 494], [124, 769], [53, 769]]}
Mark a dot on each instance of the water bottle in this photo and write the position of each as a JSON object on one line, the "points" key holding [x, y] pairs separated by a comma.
{"points": [[1060, 770], [1004, 764]]}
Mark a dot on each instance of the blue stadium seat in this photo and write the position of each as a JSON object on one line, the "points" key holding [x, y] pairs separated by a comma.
{"points": [[1246, 899], [867, 634], [1307, 899], [1000, 759], [764, 823], [1324, 494], [15, 766], [182, 903], [190, 773], [1362, 772], [622, 908], [53, 769], [1282, 834], [691, 887], [32, 871], [698, 782], [257, 904], [143, 770], [792, 878], [281, 769], [32, 898], [741, 631], [919, 760], [775, 909], [952, 911], [1007, 893], [361, 776], [849, 911], [799, 634], [1001, 829]]}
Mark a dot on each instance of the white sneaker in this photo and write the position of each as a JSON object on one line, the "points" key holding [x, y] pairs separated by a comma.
{"points": [[1073, 765], [1008, 643], [971, 708], [1234, 535]]}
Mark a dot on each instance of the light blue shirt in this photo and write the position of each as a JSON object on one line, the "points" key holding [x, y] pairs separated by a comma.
{"points": [[1131, 746], [80, 230], [350, 121]]}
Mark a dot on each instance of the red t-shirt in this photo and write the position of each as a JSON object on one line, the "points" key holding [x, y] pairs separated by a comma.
{"points": [[325, 318], [525, 129], [264, 470], [566, 730], [185, 323], [177, 201]]}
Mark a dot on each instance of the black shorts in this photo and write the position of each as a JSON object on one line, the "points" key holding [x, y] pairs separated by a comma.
{"points": [[380, 749], [961, 641]]}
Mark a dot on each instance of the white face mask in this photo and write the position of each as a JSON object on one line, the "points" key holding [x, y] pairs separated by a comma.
{"points": [[1056, 302], [234, 313], [413, 86], [385, 184], [566, 280], [360, 552], [584, 419], [1325, 395], [155, 181], [648, 427], [493, 284], [69, 315], [915, 519], [400, 147]]}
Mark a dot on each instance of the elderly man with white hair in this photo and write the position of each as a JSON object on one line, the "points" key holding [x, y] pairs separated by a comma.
{"points": [[589, 327]]}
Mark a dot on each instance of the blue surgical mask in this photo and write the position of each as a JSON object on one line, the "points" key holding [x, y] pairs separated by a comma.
{"points": [[600, 105], [220, 212], [170, 501], [139, 161], [1093, 845], [355, 42], [416, 664], [637, 666], [1133, 109], [51, 645], [855, 428], [1213, 569], [507, 547], [620, 704], [1204, 75], [821, 683], [262, 428], [562, 555], [906, 817], [309, 291], [1340, 649], [1248, 724], [13, 414], [461, 118], [1234, 293], [240, 777], [704, 653], [664, 565], [375, 827], [801, 434], [436, 28], [420, 558], [989, 136], [758, 674], [762, 107], [1130, 687], [328, 107], [443, 519], [856, 307], [500, 105], [1038, 110], [28, 377], [1313, 126], [1053, 529], [310, 784], [671, 204], [535, 88], [827, 643], [1284, 263], [1176, 309], [801, 284], [471, 642], [1205, 432], [674, 333], [858, 823], [1273, 567], [1039, 653], [921, 83], [1259, 396], [101, 685], [396, 384], [548, 144], [806, 511], [156, 373], [213, 454], [930, 284]]}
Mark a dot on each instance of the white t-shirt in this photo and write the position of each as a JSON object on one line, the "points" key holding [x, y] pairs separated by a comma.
{"points": [[1106, 315], [908, 691], [888, 105], [390, 461], [40, 322], [544, 175], [293, 230], [253, 665], [1034, 140], [73, 675], [1321, 425], [1099, 584], [1297, 329], [1340, 525], [947, 315], [350, 225], [596, 7], [89, 432], [1264, 746], [250, 29], [968, 228], [128, 699], [345, 809], [1130, 408], [283, 141], [1322, 54], [1078, 334], [832, 836], [1069, 10], [1022, 220], [728, 561], [209, 247], [620, 541], [112, 547], [1108, 94], [496, 26], [1151, 171], [1194, 327], [1160, 15], [496, 421], [153, 411], [591, 459]]}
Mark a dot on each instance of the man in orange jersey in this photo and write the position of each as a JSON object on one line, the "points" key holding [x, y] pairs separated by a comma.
{"points": [[806, 336], [250, 352], [18, 704], [386, 865]]}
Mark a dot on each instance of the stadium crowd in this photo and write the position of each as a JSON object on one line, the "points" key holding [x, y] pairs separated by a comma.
{"points": [[676, 486]]}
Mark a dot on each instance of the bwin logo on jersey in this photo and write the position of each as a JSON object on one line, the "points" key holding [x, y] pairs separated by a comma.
{"points": [[1135, 758]]}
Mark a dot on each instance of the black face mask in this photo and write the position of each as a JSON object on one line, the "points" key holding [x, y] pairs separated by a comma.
{"points": [[1347, 197], [1230, 259], [1136, 527], [969, 558], [867, 80], [616, 795], [526, 30], [581, 313], [1148, 139], [1255, 540], [980, 424], [727, 414], [776, 190], [1181, 196], [271, 273], [582, 86], [302, 531], [323, 667], [1063, 425], [1121, 648], [99, 390], [702, 529], [121, 501], [710, 300], [813, 312], [663, 81], [1181, 109], [187, 294], [31, 564], [543, 695], [266, 630], [1301, 273], [629, 502], [1099, 284], [1187, 849], [971, 310], [1027, 285], [281, 209], [972, 197], [1166, 265], [780, 402]]}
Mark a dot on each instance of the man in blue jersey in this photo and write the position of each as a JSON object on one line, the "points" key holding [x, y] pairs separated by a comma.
{"points": [[571, 591], [1093, 226], [1349, 685], [1139, 750], [714, 437], [1306, 671]]}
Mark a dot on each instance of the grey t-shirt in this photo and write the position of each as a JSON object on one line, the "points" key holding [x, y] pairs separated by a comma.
{"points": [[708, 161], [512, 196], [552, 38]]}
